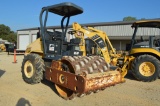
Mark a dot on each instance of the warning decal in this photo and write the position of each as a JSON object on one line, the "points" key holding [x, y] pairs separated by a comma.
{"points": [[51, 47]]}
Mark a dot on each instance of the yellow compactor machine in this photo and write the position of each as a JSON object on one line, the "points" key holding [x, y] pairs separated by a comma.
{"points": [[51, 57]]}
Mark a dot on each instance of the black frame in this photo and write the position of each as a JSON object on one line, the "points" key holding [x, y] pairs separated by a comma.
{"points": [[66, 10], [146, 23]]}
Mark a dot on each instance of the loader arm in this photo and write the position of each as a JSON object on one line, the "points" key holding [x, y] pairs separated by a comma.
{"points": [[99, 37]]}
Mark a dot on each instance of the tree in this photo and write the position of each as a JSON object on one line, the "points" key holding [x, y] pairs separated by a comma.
{"points": [[4, 30], [129, 18], [142, 19], [7, 34]]}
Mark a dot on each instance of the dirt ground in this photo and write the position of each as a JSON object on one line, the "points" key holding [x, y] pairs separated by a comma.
{"points": [[15, 92]]}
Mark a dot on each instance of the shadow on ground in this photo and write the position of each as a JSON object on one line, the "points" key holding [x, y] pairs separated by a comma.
{"points": [[130, 76], [23, 102], [2, 72], [50, 84]]}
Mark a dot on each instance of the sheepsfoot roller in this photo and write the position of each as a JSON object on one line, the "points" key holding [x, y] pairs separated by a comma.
{"points": [[80, 75]]}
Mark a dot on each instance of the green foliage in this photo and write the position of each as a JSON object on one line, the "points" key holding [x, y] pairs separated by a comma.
{"points": [[7, 34], [129, 18], [142, 19]]}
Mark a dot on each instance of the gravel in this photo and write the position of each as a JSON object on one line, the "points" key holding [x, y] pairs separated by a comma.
{"points": [[15, 92]]}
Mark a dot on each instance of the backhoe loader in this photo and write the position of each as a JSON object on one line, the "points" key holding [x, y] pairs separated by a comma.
{"points": [[96, 41], [145, 62], [143, 58], [51, 57]]}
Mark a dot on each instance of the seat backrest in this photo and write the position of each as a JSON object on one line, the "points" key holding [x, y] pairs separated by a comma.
{"points": [[75, 41], [38, 34]]}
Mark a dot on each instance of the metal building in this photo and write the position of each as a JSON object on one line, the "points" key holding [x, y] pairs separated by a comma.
{"points": [[119, 33]]}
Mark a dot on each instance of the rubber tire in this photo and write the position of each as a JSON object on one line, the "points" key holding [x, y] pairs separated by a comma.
{"points": [[145, 58], [39, 68]]}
